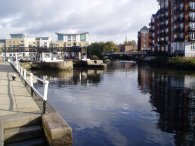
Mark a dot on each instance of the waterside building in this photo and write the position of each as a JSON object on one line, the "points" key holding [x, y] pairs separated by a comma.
{"points": [[172, 28]]}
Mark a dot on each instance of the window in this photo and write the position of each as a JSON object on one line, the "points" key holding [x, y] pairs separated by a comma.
{"points": [[60, 37], [192, 36], [192, 25], [45, 44], [192, 5], [192, 15], [74, 38], [192, 45], [47, 55], [69, 38]]}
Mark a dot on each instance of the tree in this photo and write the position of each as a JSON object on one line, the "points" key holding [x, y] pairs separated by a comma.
{"points": [[110, 47], [98, 48]]}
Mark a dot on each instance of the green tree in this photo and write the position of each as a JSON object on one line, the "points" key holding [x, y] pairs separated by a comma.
{"points": [[98, 48], [110, 47]]}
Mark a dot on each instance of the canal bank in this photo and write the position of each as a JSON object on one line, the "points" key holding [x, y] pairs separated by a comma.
{"points": [[170, 62], [22, 122]]}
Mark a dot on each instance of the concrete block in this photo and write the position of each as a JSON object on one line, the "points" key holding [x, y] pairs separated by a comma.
{"points": [[57, 130]]}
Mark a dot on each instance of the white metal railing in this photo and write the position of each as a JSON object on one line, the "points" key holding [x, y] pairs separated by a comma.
{"points": [[29, 78]]}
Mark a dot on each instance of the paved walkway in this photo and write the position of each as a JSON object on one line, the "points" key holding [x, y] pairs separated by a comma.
{"points": [[14, 98]]}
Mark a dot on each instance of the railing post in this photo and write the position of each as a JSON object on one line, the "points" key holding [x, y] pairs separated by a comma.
{"points": [[17, 67], [25, 74], [31, 79], [46, 83], [45, 90], [22, 71]]}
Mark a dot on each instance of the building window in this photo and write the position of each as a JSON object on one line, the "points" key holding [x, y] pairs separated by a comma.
{"points": [[192, 36], [60, 37], [192, 5], [69, 38], [192, 45], [45, 44], [47, 55], [192, 15], [192, 25], [74, 38]]}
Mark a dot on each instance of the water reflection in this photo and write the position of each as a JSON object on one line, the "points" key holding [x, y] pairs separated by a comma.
{"points": [[173, 97], [66, 78], [125, 104]]}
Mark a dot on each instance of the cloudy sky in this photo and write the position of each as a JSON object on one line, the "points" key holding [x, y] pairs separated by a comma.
{"points": [[105, 20]]}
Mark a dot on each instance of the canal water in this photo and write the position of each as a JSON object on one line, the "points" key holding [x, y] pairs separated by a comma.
{"points": [[125, 105]]}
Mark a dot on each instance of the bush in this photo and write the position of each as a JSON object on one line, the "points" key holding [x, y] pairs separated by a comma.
{"points": [[94, 57]]}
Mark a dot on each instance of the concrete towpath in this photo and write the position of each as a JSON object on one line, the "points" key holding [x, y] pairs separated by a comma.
{"points": [[14, 97]]}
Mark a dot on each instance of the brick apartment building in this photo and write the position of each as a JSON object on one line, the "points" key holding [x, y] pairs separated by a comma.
{"points": [[143, 39], [172, 28]]}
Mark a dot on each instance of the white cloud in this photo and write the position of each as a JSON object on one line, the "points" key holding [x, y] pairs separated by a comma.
{"points": [[104, 20]]}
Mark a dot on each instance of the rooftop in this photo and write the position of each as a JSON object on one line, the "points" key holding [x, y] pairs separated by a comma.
{"points": [[72, 33]]}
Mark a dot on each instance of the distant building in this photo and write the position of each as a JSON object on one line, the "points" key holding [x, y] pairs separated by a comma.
{"points": [[127, 48], [43, 42], [143, 39], [20, 40], [69, 40]]}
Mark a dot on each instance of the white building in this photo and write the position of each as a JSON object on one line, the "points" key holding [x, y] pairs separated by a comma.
{"points": [[43, 42], [69, 40]]}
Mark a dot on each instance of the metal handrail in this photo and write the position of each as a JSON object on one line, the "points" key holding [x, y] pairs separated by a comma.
{"points": [[24, 74]]}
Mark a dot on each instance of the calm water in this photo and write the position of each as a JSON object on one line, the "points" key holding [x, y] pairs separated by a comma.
{"points": [[125, 105]]}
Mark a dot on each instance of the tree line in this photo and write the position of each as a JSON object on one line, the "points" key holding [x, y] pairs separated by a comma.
{"points": [[97, 48]]}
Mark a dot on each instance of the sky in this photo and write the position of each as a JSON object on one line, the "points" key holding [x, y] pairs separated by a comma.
{"points": [[105, 20]]}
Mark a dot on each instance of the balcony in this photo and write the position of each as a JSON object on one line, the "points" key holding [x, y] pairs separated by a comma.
{"points": [[162, 34], [191, 19], [162, 42], [151, 24], [152, 37], [178, 39], [162, 18], [179, 30], [162, 25], [191, 39], [191, 29], [191, 9], [179, 20], [151, 30], [151, 44], [179, 10], [178, 1], [166, 33], [162, 11]]}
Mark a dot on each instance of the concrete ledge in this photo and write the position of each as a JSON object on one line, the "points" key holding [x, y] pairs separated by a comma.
{"points": [[57, 130]]}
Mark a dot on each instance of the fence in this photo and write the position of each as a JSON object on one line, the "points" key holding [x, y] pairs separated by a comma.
{"points": [[28, 79]]}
